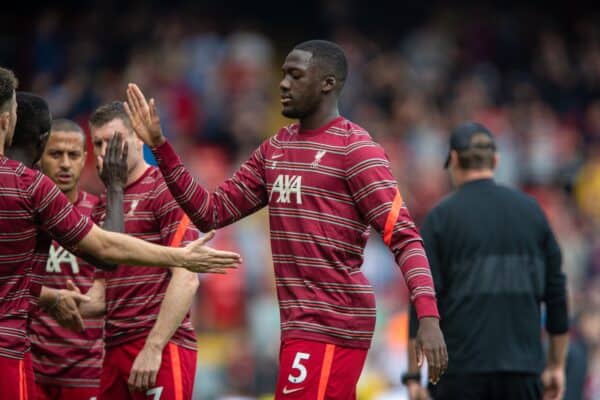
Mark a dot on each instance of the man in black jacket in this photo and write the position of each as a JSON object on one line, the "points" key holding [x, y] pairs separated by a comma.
{"points": [[494, 260]]}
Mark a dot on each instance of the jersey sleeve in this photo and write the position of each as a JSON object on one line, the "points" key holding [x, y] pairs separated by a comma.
{"points": [[56, 214], [376, 194], [241, 195]]}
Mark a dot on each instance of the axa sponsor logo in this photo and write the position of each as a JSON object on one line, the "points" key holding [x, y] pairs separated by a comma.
{"points": [[287, 187], [58, 256]]}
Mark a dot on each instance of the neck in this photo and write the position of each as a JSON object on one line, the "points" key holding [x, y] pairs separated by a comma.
{"points": [[137, 172], [72, 194], [471, 175], [319, 118]]}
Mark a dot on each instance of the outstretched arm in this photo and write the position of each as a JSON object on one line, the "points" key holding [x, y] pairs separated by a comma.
{"points": [[123, 249], [234, 199]]}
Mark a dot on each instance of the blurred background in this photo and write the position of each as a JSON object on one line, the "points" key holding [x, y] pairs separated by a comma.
{"points": [[530, 73]]}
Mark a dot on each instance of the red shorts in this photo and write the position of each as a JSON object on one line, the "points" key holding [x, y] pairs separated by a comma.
{"points": [[316, 370], [175, 379], [16, 379], [55, 392]]}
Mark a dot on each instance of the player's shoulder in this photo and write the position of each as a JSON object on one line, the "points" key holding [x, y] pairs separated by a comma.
{"points": [[516, 197], [17, 170], [352, 135], [18, 176]]}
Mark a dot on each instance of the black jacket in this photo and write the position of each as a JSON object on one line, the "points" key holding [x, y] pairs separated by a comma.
{"points": [[494, 260]]}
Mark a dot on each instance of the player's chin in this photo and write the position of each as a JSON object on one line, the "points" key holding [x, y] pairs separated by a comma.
{"points": [[290, 112]]}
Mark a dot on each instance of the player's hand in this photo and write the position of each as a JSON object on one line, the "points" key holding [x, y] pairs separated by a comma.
{"points": [[145, 369], [430, 344], [144, 117], [416, 391], [553, 379], [113, 167], [66, 310], [201, 258]]}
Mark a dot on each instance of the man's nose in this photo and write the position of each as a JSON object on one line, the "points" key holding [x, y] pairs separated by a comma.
{"points": [[65, 161]]}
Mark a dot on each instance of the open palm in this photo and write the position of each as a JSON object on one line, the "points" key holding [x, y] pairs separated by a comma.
{"points": [[144, 117]]}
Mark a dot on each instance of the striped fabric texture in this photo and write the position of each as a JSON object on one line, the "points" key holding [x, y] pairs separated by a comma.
{"points": [[325, 188], [29, 201]]}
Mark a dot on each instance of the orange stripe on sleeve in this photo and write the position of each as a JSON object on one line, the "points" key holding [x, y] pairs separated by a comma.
{"points": [[176, 371], [325, 370], [392, 218], [183, 225]]}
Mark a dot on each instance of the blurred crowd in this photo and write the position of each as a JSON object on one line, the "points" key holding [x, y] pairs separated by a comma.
{"points": [[535, 82]]}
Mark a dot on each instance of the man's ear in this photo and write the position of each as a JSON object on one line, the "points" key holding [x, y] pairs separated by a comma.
{"points": [[496, 160], [453, 158], [329, 84]]}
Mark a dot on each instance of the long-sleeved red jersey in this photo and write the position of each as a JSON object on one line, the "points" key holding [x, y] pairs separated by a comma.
{"points": [[324, 188]]}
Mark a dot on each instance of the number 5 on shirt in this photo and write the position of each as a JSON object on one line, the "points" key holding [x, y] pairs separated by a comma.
{"points": [[297, 366]]}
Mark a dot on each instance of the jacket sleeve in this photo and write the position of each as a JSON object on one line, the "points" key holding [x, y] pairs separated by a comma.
{"points": [[555, 291]]}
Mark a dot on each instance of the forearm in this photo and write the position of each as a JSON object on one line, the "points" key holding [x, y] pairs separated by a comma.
{"points": [[557, 321], [115, 218], [123, 249], [234, 199], [193, 198], [415, 268], [176, 304], [557, 351]]}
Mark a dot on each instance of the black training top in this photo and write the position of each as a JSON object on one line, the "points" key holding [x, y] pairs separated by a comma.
{"points": [[494, 260]]}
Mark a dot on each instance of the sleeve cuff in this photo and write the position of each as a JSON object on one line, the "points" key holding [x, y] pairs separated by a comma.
{"points": [[166, 157], [426, 306]]}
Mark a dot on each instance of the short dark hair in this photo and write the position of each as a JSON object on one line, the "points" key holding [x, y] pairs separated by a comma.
{"points": [[33, 124], [329, 56], [8, 85], [66, 125], [479, 155], [107, 112]]}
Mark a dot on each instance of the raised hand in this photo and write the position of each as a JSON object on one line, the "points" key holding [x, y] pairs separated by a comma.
{"points": [[430, 344], [113, 168], [144, 117], [201, 258]]}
